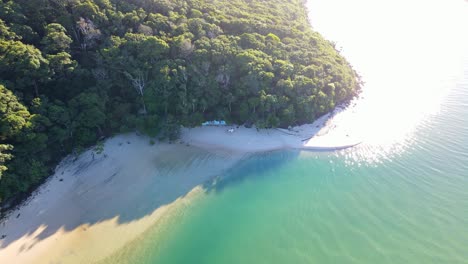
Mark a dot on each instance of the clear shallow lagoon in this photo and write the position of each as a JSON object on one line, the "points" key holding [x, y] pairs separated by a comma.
{"points": [[402, 197], [298, 207]]}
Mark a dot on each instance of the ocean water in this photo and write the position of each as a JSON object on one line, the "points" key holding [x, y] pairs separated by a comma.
{"points": [[299, 207], [400, 197]]}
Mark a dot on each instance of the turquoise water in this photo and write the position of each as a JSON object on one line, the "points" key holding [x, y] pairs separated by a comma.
{"points": [[401, 197], [300, 207]]}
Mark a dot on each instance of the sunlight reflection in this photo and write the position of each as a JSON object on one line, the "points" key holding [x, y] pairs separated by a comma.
{"points": [[409, 62]]}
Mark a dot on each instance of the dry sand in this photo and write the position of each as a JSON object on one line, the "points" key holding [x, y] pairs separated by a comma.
{"points": [[322, 135], [94, 205]]}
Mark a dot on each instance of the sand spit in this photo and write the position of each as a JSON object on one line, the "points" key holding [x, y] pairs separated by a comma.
{"points": [[97, 203]]}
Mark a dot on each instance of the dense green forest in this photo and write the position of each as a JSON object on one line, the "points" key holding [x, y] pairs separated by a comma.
{"points": [[73, 72]]}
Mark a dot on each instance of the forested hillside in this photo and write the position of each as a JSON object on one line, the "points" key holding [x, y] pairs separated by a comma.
{"points": [[73, 72]]}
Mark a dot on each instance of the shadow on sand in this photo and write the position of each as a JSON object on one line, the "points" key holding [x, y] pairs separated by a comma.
{"points": [[117, 193]]}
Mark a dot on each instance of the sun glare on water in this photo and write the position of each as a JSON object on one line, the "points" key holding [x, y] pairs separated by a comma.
{"points": [[409, 54]]}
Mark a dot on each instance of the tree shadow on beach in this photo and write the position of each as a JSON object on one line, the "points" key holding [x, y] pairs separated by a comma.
{"points": [[104, 197], [173, 176]]}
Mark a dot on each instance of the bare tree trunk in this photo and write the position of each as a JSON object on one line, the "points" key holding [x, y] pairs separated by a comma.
{"points": [[139, 83], [144, 106], [36, 89]]}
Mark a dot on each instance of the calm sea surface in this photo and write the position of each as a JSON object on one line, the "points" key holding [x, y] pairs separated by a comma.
{"points": [[401, 197]]}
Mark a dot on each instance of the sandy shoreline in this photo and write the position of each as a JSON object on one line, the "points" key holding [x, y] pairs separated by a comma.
{"points": [[322, 135], [96, 204]]}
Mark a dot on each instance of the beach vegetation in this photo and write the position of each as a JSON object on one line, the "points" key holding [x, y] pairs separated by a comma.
{"points": [[75, 72]]}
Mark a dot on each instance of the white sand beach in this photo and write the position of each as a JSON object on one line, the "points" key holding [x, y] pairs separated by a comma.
{"points": [[96, 203], [323, 135]]}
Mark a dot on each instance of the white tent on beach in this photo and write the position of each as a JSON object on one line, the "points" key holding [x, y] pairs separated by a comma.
{"points": [[214, 123]]}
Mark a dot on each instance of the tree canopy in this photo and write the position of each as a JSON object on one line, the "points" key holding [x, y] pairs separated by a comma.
{"points": [[75, 71]]}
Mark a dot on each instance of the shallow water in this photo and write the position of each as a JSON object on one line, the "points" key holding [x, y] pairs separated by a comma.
{"points": [[293, 207], [401, 197]]}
